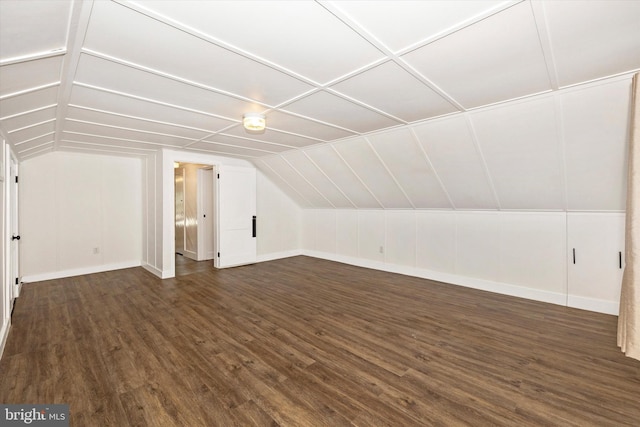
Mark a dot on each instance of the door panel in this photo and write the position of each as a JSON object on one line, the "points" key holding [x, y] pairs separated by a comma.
{"points": [[180, 214], [595, 259], [236, 210]]}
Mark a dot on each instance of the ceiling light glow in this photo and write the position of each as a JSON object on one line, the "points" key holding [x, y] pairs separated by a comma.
{"points": [[254, 122]]}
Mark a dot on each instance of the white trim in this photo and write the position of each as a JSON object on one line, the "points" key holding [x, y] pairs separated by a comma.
{"points": [[453, 279], [153, 270], [593, 304], [80, 271], [278, 255], [190, 254], [4, 334]]}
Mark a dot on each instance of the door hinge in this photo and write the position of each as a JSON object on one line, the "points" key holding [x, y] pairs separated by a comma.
{"points": [[16, 179], [218, 254], [17, 281], [218, 176]]}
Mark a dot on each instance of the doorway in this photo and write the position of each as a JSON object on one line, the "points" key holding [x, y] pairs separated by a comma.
{"points": [[194, 215]]}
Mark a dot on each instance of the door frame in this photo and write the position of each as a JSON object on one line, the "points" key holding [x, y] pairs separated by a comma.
{"points": [[202, 200], [13, 210], [166, 162]]}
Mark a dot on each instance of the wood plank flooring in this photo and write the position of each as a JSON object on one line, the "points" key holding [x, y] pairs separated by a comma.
{"points": [[309, 342]]}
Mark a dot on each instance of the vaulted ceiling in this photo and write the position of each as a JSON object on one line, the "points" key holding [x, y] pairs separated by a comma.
{"points": [[369, 104]]}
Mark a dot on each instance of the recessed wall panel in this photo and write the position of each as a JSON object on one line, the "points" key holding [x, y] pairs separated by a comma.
{"points": [[347, 232], [522, 150], [529, 241], [595, 131], [455, 158], [436, 241], [402, 155], [325, 229], [332, 165], [478, 245], [295, 180], [319, 180], [371, 235], [400, 246], [367, 166]]}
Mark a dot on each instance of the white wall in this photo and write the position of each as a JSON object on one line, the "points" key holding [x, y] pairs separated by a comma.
{"points": [[277, 213], [558, 151], [79, 214], [523, 254], [279, 221]]}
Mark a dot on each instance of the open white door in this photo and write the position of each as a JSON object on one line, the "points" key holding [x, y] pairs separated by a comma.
{"points": [[205, 214], [236, 216], [15, 233]]}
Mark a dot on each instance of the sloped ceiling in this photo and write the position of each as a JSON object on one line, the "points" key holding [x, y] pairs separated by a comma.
{"points": [[369, 104]]}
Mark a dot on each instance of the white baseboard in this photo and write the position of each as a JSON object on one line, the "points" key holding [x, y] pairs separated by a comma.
{"points": [[191, 255], [153, 270], [79, 271], [278, 255], [4, 334], [454, 279], [593, 304]]}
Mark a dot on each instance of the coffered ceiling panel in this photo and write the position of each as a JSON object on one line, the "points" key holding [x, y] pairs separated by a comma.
{"points": [[29, 101], [273, 136], [92, 143], [420, 20], [174, 52], [108, 119], [495, 59], [334, 110], [33, 131], [33, 27], [522, 150], [29, 119], [35, 143], [291, 123], [398, 93], [407, 162], [26, 75], [124, 133], [308, 41], [395, 104], [225, 149], [246, 143], [119, 104], [93, 71], [593, 38]]}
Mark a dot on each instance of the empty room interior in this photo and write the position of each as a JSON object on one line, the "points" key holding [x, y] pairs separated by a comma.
{"points": [[321, 213]]}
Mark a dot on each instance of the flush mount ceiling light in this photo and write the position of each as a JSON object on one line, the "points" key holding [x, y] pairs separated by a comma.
{"points": [[254, 122]]}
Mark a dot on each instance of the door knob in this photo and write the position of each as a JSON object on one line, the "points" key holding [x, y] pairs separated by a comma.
{"points": [[15, 237]]}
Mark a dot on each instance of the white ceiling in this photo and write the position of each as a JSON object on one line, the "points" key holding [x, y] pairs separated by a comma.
{"points": [[402, 104]]}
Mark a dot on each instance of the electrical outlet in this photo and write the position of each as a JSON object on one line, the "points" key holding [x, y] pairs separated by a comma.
{"points": [[96, 251]]}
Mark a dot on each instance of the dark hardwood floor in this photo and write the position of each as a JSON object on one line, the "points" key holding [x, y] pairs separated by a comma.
{"points": [[186, 266], [308, 342]]}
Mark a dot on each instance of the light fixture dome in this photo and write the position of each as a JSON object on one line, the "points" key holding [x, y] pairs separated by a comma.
{"points": [[254, 122]]}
